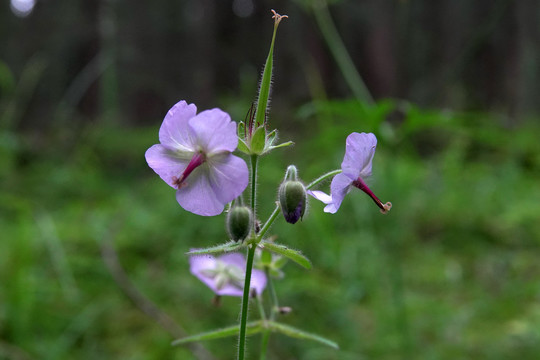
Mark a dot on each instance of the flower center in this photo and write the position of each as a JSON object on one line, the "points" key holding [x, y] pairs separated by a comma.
{"points": [[359, 183], [197, 160]]}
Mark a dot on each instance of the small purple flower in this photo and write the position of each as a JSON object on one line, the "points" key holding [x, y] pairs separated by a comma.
{"points": [[199, 146], [356, 167], [225, 274]]}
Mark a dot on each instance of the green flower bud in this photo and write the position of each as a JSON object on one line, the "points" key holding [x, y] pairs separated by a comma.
{"points": [[293, 199], [239, 222]]}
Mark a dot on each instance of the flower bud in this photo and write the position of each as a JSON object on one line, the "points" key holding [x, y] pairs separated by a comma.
{"points": [[293, 199], [239, 222]]}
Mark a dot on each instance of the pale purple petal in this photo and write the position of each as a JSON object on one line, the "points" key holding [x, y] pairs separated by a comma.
{"points": [[197, 195], [164, 162], [174, 131], [258, 281], [325, 198], [229, 176], [214, 184], [321, 196], [339, 187], [236, 259], [215, 131], [197, 265], [201, 263], [359, 152]]}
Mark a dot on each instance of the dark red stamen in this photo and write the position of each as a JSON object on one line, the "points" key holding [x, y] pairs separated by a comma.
{"points": [[249, 120], [360, 184], [197, 160]]}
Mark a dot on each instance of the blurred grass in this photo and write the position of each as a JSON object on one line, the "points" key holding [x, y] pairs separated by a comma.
{"points": [[451, 272]]}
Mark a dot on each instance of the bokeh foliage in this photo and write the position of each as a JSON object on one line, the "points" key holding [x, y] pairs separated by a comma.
{"points": [[451, 272]]}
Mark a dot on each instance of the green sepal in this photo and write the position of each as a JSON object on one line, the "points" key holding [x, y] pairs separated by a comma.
{"points": [[251, 328], [270, 138], [218, 249], [241, 130], [299, 334], [294, 255], [242, 146], [258, 140], [285, 144]]}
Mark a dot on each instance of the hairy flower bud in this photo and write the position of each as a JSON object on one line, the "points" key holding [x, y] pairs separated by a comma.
{"points": [[293, 199], [239, 222]]}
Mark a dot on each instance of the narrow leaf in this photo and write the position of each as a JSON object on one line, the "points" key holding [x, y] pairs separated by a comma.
{"points": [[218, 249], [294, 255], [285, 144], [252, 328], [300, 334]]}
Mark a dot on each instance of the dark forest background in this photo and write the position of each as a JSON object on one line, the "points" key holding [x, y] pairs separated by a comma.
{"points": [[138, 57]]}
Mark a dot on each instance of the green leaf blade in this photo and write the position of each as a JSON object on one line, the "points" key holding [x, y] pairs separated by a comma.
{"points": [[300, 334], [218, 249], [294, 255], [252, 328]]}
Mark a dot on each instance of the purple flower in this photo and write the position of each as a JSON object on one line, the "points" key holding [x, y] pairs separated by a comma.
{"points": [[195, 158], [225, 274], [356, 167]]}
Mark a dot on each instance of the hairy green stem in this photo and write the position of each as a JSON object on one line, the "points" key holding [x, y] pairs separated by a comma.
{"points": [[268, 222], [249, 263], [245, 303], [254, 159], [322, 178]]}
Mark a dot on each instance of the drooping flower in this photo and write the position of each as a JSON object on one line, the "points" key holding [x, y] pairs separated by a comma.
{"points": [[194, 157], [225, 274], [356, 167]]}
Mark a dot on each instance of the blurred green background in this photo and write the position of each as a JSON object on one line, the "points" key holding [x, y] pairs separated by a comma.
{"points": [[450, 88]]}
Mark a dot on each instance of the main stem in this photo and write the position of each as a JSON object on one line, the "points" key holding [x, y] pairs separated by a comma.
{"points": [[249, 264], [245, 304]]}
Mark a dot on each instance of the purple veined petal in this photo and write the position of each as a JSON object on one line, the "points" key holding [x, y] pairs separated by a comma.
{"points": [[165, 163], [198, 196], [215, 132], [174, 131], [359, 152], [325, 198], [198, 264], [215, 183], [236, 259], [339, 187], [201, 263], [229, 176]]}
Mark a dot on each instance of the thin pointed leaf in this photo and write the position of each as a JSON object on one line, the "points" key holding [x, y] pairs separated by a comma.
{"points": [[218, 249], [251, 328], [294, 255], [300, 334], [285, 144]]}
